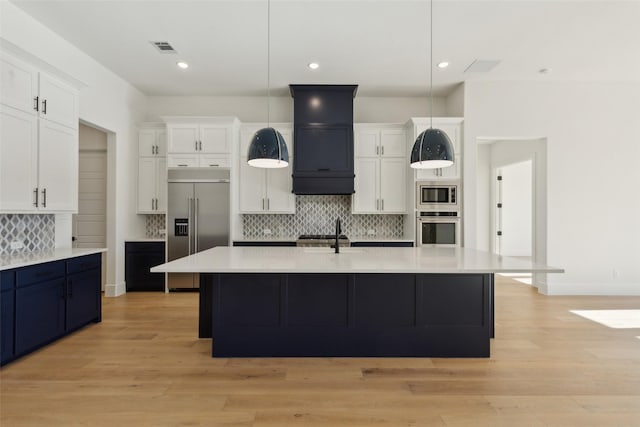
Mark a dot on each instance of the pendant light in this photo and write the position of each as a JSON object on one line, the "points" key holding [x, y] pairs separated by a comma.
{"points": [[433, 148], [267, 148]]}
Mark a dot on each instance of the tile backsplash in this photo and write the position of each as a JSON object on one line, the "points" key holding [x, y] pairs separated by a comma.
{"points": [[35, 232], [155, 225], [317, 215]]}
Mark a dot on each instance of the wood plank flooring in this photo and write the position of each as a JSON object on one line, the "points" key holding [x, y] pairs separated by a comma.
{"points": [[143, 365]]}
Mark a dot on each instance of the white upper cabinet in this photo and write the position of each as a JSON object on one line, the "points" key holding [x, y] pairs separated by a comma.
{"points": [[265, 190], [453, 128], [200, 141], [152, 142], [380, 168], [39, 144], [152, 169], [58, 102]]}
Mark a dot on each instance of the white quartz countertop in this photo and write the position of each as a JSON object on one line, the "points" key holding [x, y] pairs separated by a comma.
{"points": [[249, 259], [8, 262], [146, 239]]}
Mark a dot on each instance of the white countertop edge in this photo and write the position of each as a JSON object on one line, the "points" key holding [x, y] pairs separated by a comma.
{"points": [[8, 262], [146, 239], [379, 260]]}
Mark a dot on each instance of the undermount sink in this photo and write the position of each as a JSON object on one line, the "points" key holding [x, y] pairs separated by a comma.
{"points": [[325, 250]]}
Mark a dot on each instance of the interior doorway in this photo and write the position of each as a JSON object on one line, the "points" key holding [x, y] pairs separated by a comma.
{"points": [[513, 181], [89, 225]]}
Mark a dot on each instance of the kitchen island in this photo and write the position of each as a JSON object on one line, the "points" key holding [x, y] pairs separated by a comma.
{"points": [[291, 301]]}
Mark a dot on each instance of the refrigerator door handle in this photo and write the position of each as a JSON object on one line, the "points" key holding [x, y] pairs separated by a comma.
{"points": [[189, 223], [195, 219]]}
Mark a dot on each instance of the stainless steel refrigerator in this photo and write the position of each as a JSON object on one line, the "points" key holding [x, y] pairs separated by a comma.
{"points": [[197, 217]]}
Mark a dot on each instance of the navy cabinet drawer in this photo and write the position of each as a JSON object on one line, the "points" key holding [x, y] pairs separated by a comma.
{"points": [[7, 280], [39, 273], [83, 263], [144, 247]]}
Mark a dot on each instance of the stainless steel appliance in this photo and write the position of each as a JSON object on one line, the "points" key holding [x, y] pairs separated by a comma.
{"points": [[438, 196], [438, 229], [197, 217], [321, 240]]}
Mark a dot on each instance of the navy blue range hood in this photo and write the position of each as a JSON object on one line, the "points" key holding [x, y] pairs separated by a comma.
{"points": [[323, 135]]}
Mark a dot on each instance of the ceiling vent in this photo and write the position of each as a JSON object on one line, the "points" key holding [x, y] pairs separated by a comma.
{"points": [[164, 47], [482, 66]]}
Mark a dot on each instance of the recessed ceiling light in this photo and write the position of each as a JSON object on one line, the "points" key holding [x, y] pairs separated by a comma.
{"points": [[443, 64], [314, 65], [182, 65], [544, 70]]}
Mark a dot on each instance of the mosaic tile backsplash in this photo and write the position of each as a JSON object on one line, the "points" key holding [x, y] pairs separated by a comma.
{"points": [[317, 215], [154, 224], [35, 232]]}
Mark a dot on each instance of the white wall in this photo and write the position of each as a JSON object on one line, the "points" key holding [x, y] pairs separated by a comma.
{"points": [[106, 101], [454, 102], [592, 137], [254, 109]]}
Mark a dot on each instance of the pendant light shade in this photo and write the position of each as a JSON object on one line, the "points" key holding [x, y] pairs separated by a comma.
{"points": [[432, 149], [268, 149]]}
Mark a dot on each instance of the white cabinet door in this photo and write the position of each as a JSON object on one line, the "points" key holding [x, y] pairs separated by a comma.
{"points": [[147, 143], [146, 184], [213, 161], [280, 199], [18, 160], [365, 198], [18, 84], [367, 142], [58, 102], [215, 139], [183, 160], [161, 142], [393, 188], [161, 185], [183, 138], [393, 143], [252, 188], [58, 167]]}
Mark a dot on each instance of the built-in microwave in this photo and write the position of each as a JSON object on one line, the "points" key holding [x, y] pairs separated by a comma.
{"points": [[438, 229], [438, 196]]}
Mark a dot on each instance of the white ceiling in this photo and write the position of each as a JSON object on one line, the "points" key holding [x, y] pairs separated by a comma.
{"points": [[381, 45]]}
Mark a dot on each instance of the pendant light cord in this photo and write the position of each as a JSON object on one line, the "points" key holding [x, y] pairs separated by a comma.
{"points": [[268, 63], [431, 65]]}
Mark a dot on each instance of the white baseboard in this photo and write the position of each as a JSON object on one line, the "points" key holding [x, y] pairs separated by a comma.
{"points": [[115, 290], [601, 288]]}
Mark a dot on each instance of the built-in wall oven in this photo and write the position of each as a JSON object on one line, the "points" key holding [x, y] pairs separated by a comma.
{"points": [[437, 196], [438, 228]]}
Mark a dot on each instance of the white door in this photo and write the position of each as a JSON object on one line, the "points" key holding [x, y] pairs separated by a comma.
{"points": [[393, 187], [514, 210], [19, 85], [279, 186], [18, 160], [214, 138], [183, 139], [393, 143], [365, 198], [367, 142], [161, 185], [146, 184], [252, 188], [58, 102], [58, 167]]}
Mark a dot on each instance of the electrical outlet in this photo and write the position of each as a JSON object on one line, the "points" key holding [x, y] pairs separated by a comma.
{"points": [[266, 231], [16, 244], [371, 232]]}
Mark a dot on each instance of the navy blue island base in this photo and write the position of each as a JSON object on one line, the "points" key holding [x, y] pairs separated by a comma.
{"points": [[347, 315]]}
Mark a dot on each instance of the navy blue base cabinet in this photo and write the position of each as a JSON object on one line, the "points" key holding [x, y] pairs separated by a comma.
{"points": [[347, 315], [139, 258], [44, 302]]}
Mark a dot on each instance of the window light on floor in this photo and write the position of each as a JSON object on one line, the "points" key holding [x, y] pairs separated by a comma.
{"points": [[615, 319]]}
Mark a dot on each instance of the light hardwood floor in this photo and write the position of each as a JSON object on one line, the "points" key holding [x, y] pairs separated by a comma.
{"points": [[143, 365]]}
